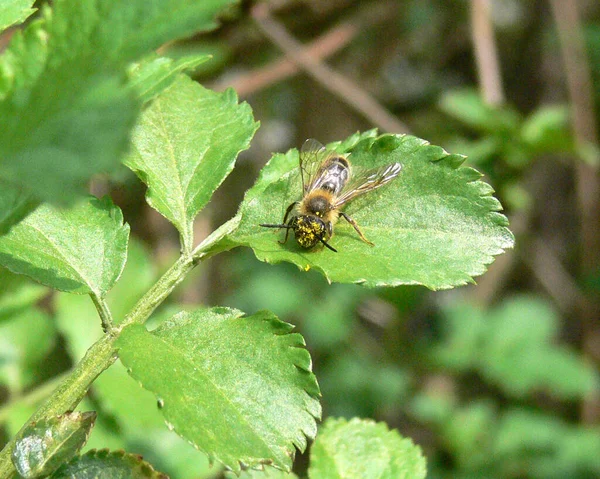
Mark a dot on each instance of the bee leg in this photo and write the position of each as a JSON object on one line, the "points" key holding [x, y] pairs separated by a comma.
{"points": [[285, 226], [289, 209], [355, 226], [329, 226]]}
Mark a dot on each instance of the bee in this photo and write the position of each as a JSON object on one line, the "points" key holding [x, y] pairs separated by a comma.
{"points": [[327, 185]]}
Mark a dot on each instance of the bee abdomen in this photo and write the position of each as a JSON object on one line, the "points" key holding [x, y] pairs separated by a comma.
{"points": [[336, 176]]}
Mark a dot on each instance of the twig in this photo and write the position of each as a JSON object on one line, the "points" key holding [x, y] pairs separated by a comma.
{"points": [[554, 277], [486, 55], [330, 79], [260, 78], [579, 83]]}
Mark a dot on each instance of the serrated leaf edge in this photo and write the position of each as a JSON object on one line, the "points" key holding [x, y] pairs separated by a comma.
{"points": [[301, 440], [137, 460]]}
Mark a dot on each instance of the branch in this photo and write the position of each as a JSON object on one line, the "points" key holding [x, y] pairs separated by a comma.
{"points": [[486, 55], [260, 78], [334, 82], [579, 84]]}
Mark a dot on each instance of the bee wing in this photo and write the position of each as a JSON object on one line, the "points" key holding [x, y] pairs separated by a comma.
{"points": [[313, 160], [368, 181]]}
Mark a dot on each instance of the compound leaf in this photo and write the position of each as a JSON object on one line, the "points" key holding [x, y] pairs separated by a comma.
{"points": [[44, 446], [81, 249], [185, 146], [436, 224], [363, 449], [239, 388]]}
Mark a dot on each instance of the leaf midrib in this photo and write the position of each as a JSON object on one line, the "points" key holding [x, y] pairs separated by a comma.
{"points": [[65, 260], [176, 352]]}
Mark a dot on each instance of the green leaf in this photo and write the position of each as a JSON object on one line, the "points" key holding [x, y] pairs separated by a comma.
{"points": [[80, 250], [513, 346], [77, 318], [185, 146], [436, 224], [547, 130], [44, 446], [13, 12], [133, 28], [132, 410], [239, 388], [72, 117], [24, 58], [141, 423], [153, 75], [361, 448], [57, 99], [26, 337], [15, 204], [545, 446], [267, 473], [108, 465], [468, 106]]}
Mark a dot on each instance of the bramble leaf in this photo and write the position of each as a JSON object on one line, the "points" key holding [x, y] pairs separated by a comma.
{"points": [[154, 75], [46, 445], [67, 108], [81, 249], [108, 465], [363, 449], [185, 146], [436, 224], [13, 12], [239, 388], [266, 473], [132, 408]]}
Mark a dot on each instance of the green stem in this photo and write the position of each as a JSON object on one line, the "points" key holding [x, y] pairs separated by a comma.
{"points": [[103, 312], [103, 353], [70, 391]]}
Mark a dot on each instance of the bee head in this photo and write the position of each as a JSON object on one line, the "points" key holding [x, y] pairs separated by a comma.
{"points": [[309, 230]]}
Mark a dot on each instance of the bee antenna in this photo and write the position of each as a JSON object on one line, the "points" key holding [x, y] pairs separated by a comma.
{"points": [[327, 245], [276, 226]]}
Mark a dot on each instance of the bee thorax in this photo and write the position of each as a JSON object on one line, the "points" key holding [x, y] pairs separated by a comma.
{"points": [[318, 205]]}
